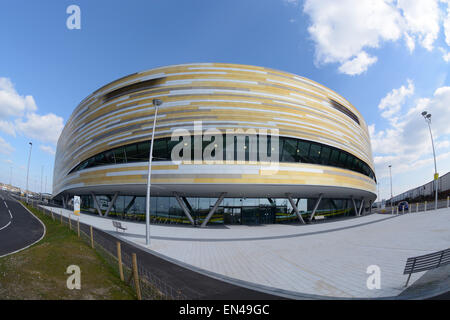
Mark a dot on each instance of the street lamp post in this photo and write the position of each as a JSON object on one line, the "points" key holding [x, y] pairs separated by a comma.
{"points": [[28, 170], [156, 104], [390, 174], [427, 117]]}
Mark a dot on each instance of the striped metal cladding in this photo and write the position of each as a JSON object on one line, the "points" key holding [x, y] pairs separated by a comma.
{"points": [[221, 96]]}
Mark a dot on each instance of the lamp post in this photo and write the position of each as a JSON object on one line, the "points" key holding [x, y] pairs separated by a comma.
{"points": [[156, 104], [427, 117], [28, 170], [390, 174]]}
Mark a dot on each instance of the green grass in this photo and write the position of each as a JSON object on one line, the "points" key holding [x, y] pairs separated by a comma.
{"points": [[39, 271]]}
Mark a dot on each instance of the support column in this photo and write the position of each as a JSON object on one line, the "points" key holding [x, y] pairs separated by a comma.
{"points": [[316, 206], [64, 201], [125, 211], [113, 201], [184, 207], [289, 196], [361, 207], [96, 204], [354, 205], [213, 209]]}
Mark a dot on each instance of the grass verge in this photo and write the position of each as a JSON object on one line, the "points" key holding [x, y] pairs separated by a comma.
{"points": [[39, 271]]}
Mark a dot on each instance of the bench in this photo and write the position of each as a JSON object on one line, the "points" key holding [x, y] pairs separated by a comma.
{"points": [[426, 262], [118, 225]]}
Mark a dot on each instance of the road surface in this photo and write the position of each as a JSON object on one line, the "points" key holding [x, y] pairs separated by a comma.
{"points": [[18, 228]]}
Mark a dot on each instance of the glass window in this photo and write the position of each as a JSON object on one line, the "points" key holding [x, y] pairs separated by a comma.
{"points": [[334, 158], [131, 153], [314, 153], [303, 151], [290, 151], [119, 155], [342, 160], [325, 155]]}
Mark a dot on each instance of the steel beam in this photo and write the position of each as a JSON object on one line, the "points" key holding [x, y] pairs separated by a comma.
{"points": [[354, 205], [125, 211], [96, 204], [213, 209], [361, 207], [289, 196], [184, 207], [316, 206], [111, 203]]}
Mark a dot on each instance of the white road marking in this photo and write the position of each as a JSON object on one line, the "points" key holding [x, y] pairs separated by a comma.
{"points": [[10, 214], [5, 226]]}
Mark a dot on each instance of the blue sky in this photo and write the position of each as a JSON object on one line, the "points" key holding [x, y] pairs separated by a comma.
{"points": [[388, 58]]}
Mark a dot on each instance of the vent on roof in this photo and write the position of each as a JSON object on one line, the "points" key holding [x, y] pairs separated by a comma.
{"points": [[344, 110], [135, 87]]}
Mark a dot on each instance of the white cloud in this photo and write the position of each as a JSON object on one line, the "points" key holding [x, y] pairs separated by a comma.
{"points": [[357, 65], [421, 20], [447, 22], [8, 161], [344, 30], [392, 102], [47, 149], [46, 128], [5, 147], [7, 127], [13, 104], [18, 114]]}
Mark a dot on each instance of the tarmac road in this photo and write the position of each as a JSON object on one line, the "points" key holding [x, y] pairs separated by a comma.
{"points": [[18, 228]]}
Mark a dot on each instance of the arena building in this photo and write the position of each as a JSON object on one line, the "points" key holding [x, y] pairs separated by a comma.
{"points": [[323, 167]]}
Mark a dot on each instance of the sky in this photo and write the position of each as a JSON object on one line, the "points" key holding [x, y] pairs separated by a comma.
{"points": [[389, 58]]}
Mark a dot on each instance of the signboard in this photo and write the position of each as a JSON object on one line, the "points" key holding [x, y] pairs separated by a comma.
{"points": [[76, 205], [436, 176]]}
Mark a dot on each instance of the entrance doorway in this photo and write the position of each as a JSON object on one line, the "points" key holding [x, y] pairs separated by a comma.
{"points": [[232, 215]]}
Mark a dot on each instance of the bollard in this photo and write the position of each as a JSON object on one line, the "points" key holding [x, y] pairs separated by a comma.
{"points": [[397, 211], [70, 223], [392, 208], [53, 217], [417, 207], [425, 209], [78, 226], [448, 200], [60, 215], [92, 238], [136, 277], [119, 258]]}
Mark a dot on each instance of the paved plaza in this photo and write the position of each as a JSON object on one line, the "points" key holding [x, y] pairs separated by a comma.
{"points": [[324, 259]]}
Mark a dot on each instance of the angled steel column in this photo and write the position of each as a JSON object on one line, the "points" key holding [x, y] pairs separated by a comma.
{"points": [[111, 203], [289, 196], [64, 201], [96, 204], [185, 209], [361, 207], [316, 206], [296, 204], [129, 205], [213, 209], [354, 205]]}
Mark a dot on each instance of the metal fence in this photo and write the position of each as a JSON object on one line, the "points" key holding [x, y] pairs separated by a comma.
{"points": [[120, 257]]}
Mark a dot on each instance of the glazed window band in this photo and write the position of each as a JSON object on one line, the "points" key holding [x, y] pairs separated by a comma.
{"points": [[291, 151]]}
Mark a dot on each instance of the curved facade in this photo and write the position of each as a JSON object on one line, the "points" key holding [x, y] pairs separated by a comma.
{"points": [[324, 145]]}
